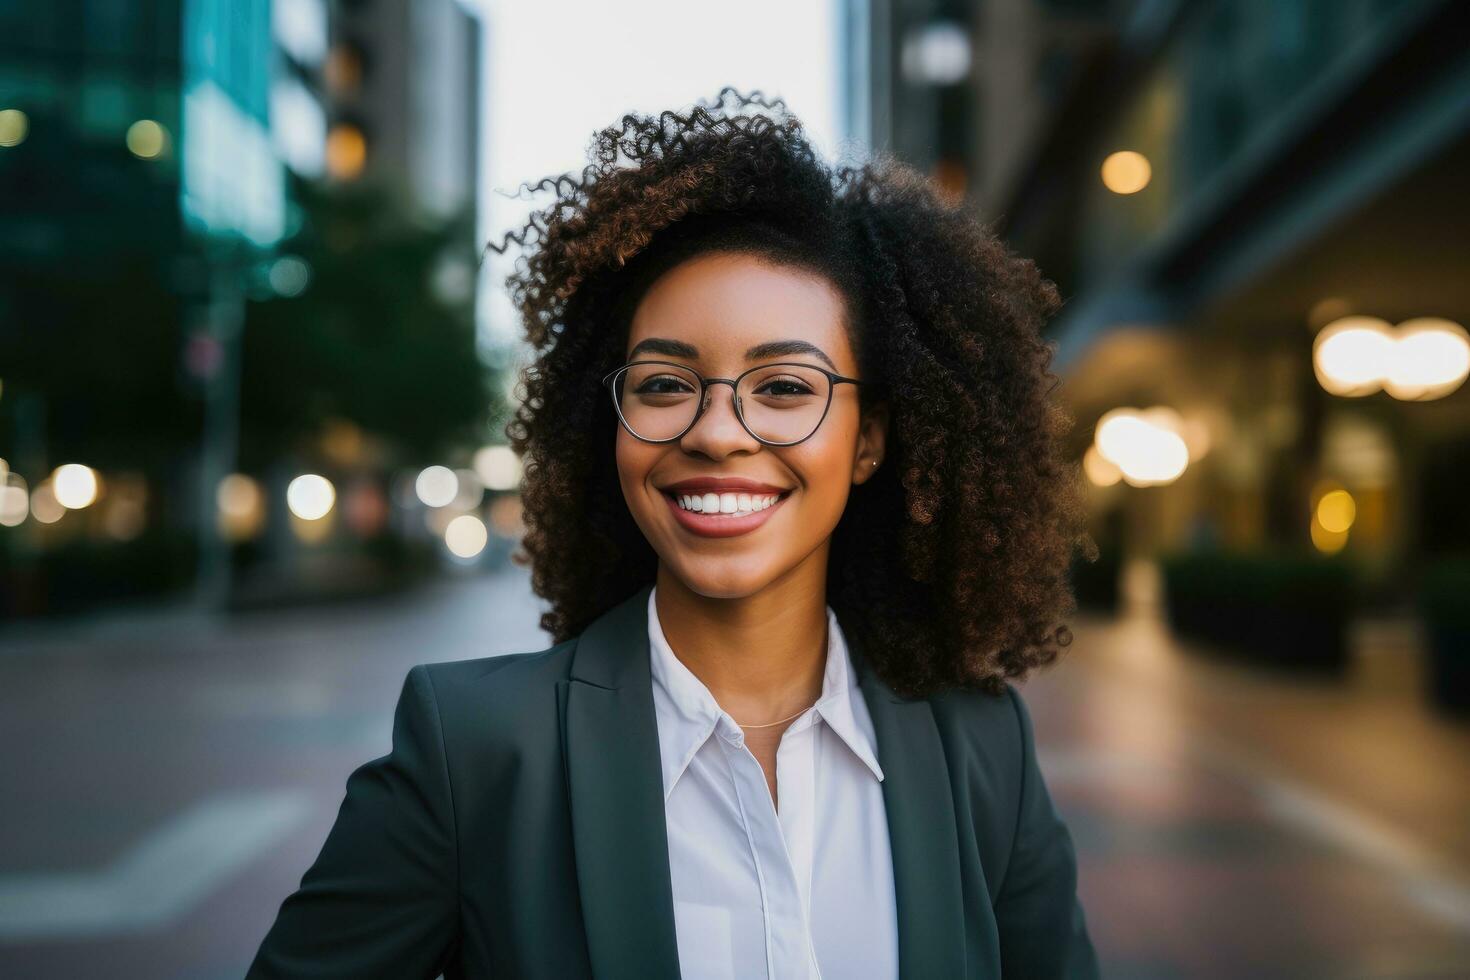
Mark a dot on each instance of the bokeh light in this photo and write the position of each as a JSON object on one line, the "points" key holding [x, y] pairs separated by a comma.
{"points": [[466, 536], [74, 485], [498, 467], [1430, 359], [1126, 172], [14, 500], [346, 151], [1335, 511], [310, 496], [147, 139], [1146, 446], [14, 125], [44, 505], [1420, 360], [437, 486], [289, 276]]}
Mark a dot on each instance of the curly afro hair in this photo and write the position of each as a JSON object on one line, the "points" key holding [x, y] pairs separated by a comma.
{"points": [[953, 559]]}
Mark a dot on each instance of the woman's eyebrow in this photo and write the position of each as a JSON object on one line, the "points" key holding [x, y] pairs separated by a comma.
{"points": [[771, 348]]}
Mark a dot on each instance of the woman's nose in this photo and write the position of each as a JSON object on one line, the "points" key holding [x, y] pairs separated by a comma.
{"points": [[718, 431]]}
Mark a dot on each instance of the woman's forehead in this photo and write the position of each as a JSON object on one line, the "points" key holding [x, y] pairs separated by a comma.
{"points": [[718, 307]]}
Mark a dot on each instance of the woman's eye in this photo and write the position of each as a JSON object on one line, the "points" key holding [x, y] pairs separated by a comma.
{"points": [[783, 386], [663, 385]]}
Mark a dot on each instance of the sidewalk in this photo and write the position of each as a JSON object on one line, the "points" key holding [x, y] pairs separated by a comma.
{"points": [[1233, 822]]}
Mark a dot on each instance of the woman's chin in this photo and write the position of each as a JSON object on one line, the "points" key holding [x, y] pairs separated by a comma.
{"points": [[725, 578]]}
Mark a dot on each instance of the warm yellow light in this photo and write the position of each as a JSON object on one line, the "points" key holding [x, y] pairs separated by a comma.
{"points": [[147, 139], [310, 496], [74, 485], [466, 536], [241, 503], [14, 125], [1327, 542], [1146, 446], [1335, 511], [1101, 471], [1351, 355], [238, 496], [1126, 172], [346, 151], [1430, 359], [1419, 360]]}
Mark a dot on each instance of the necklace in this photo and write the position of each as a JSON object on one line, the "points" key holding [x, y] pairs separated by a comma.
{"points": [[773, 724]]}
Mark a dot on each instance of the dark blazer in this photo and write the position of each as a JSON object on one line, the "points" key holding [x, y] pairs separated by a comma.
{"points": [[516, 830]]}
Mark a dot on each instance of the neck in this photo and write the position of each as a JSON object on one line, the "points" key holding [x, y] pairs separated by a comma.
{"points": [[762, 656]]}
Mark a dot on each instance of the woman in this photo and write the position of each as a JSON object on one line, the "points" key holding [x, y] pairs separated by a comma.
{"points": [[793, 491]]}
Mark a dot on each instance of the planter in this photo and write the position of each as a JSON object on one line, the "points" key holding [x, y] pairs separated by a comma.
{"points": [[1281, 609], [1444, 594]]}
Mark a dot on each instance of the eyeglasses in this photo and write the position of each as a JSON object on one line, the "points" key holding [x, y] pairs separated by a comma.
{"points": [[779, 404]]}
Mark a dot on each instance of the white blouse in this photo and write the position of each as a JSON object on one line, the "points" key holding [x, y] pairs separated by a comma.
{"points": [[803, 893]]}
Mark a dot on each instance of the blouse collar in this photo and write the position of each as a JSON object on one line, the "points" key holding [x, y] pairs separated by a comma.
{"points": [[688, 713]]}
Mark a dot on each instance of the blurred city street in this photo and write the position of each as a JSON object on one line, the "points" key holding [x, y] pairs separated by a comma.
{"points": [[1228, 824], [260, 372]]}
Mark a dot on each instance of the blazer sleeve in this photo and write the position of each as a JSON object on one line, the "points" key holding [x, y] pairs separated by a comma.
{"points": [[381, 899], [1043, 932]]}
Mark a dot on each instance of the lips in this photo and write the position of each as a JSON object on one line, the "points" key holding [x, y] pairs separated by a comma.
{"points": [[721, 484], [721, 525]]}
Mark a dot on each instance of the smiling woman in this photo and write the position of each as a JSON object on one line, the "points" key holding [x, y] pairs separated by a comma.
{"points": [[794, 493], [954, 553]]}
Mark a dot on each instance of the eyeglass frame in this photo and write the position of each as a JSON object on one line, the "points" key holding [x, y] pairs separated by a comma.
{"points": [[833, 377]]}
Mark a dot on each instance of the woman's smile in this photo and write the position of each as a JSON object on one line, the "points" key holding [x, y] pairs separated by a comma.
{"points": [[723, 515], [722, 506]]}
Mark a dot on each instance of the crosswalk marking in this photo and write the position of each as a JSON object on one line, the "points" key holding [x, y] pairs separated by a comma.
{"points": [[156, 881]]}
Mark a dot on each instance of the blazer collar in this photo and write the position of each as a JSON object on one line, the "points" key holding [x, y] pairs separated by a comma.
{"points": [[615, 785]]}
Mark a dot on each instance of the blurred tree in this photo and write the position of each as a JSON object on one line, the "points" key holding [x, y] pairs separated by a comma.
{"points": [[367, 316]]}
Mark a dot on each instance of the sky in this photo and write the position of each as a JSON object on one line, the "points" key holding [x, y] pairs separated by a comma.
{"points": [[556, 71]]}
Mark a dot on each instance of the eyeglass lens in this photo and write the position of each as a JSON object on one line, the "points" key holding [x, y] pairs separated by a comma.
{"points": [[779, 402]]}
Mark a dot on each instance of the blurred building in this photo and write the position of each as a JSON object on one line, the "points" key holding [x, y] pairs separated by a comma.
{"points": [[404, 79], [122, 108], [1211, 184], [141, 183], [156, 162]]}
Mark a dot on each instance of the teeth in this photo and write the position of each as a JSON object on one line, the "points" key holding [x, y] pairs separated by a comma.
{"points": [[726, 503]]}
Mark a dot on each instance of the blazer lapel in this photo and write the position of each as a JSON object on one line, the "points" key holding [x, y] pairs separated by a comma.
{"points": [[921, 825], [615, 786]]}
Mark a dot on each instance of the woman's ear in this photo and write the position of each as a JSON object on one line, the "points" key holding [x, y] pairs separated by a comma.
{"points": [[872, 439]]}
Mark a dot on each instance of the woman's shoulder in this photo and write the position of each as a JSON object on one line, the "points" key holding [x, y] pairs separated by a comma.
{"points": [[985, 727], [972, 706], [495, 696], [515, 670]]}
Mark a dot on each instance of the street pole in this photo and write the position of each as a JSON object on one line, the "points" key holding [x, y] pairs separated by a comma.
{"points": [[223, 324]]}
